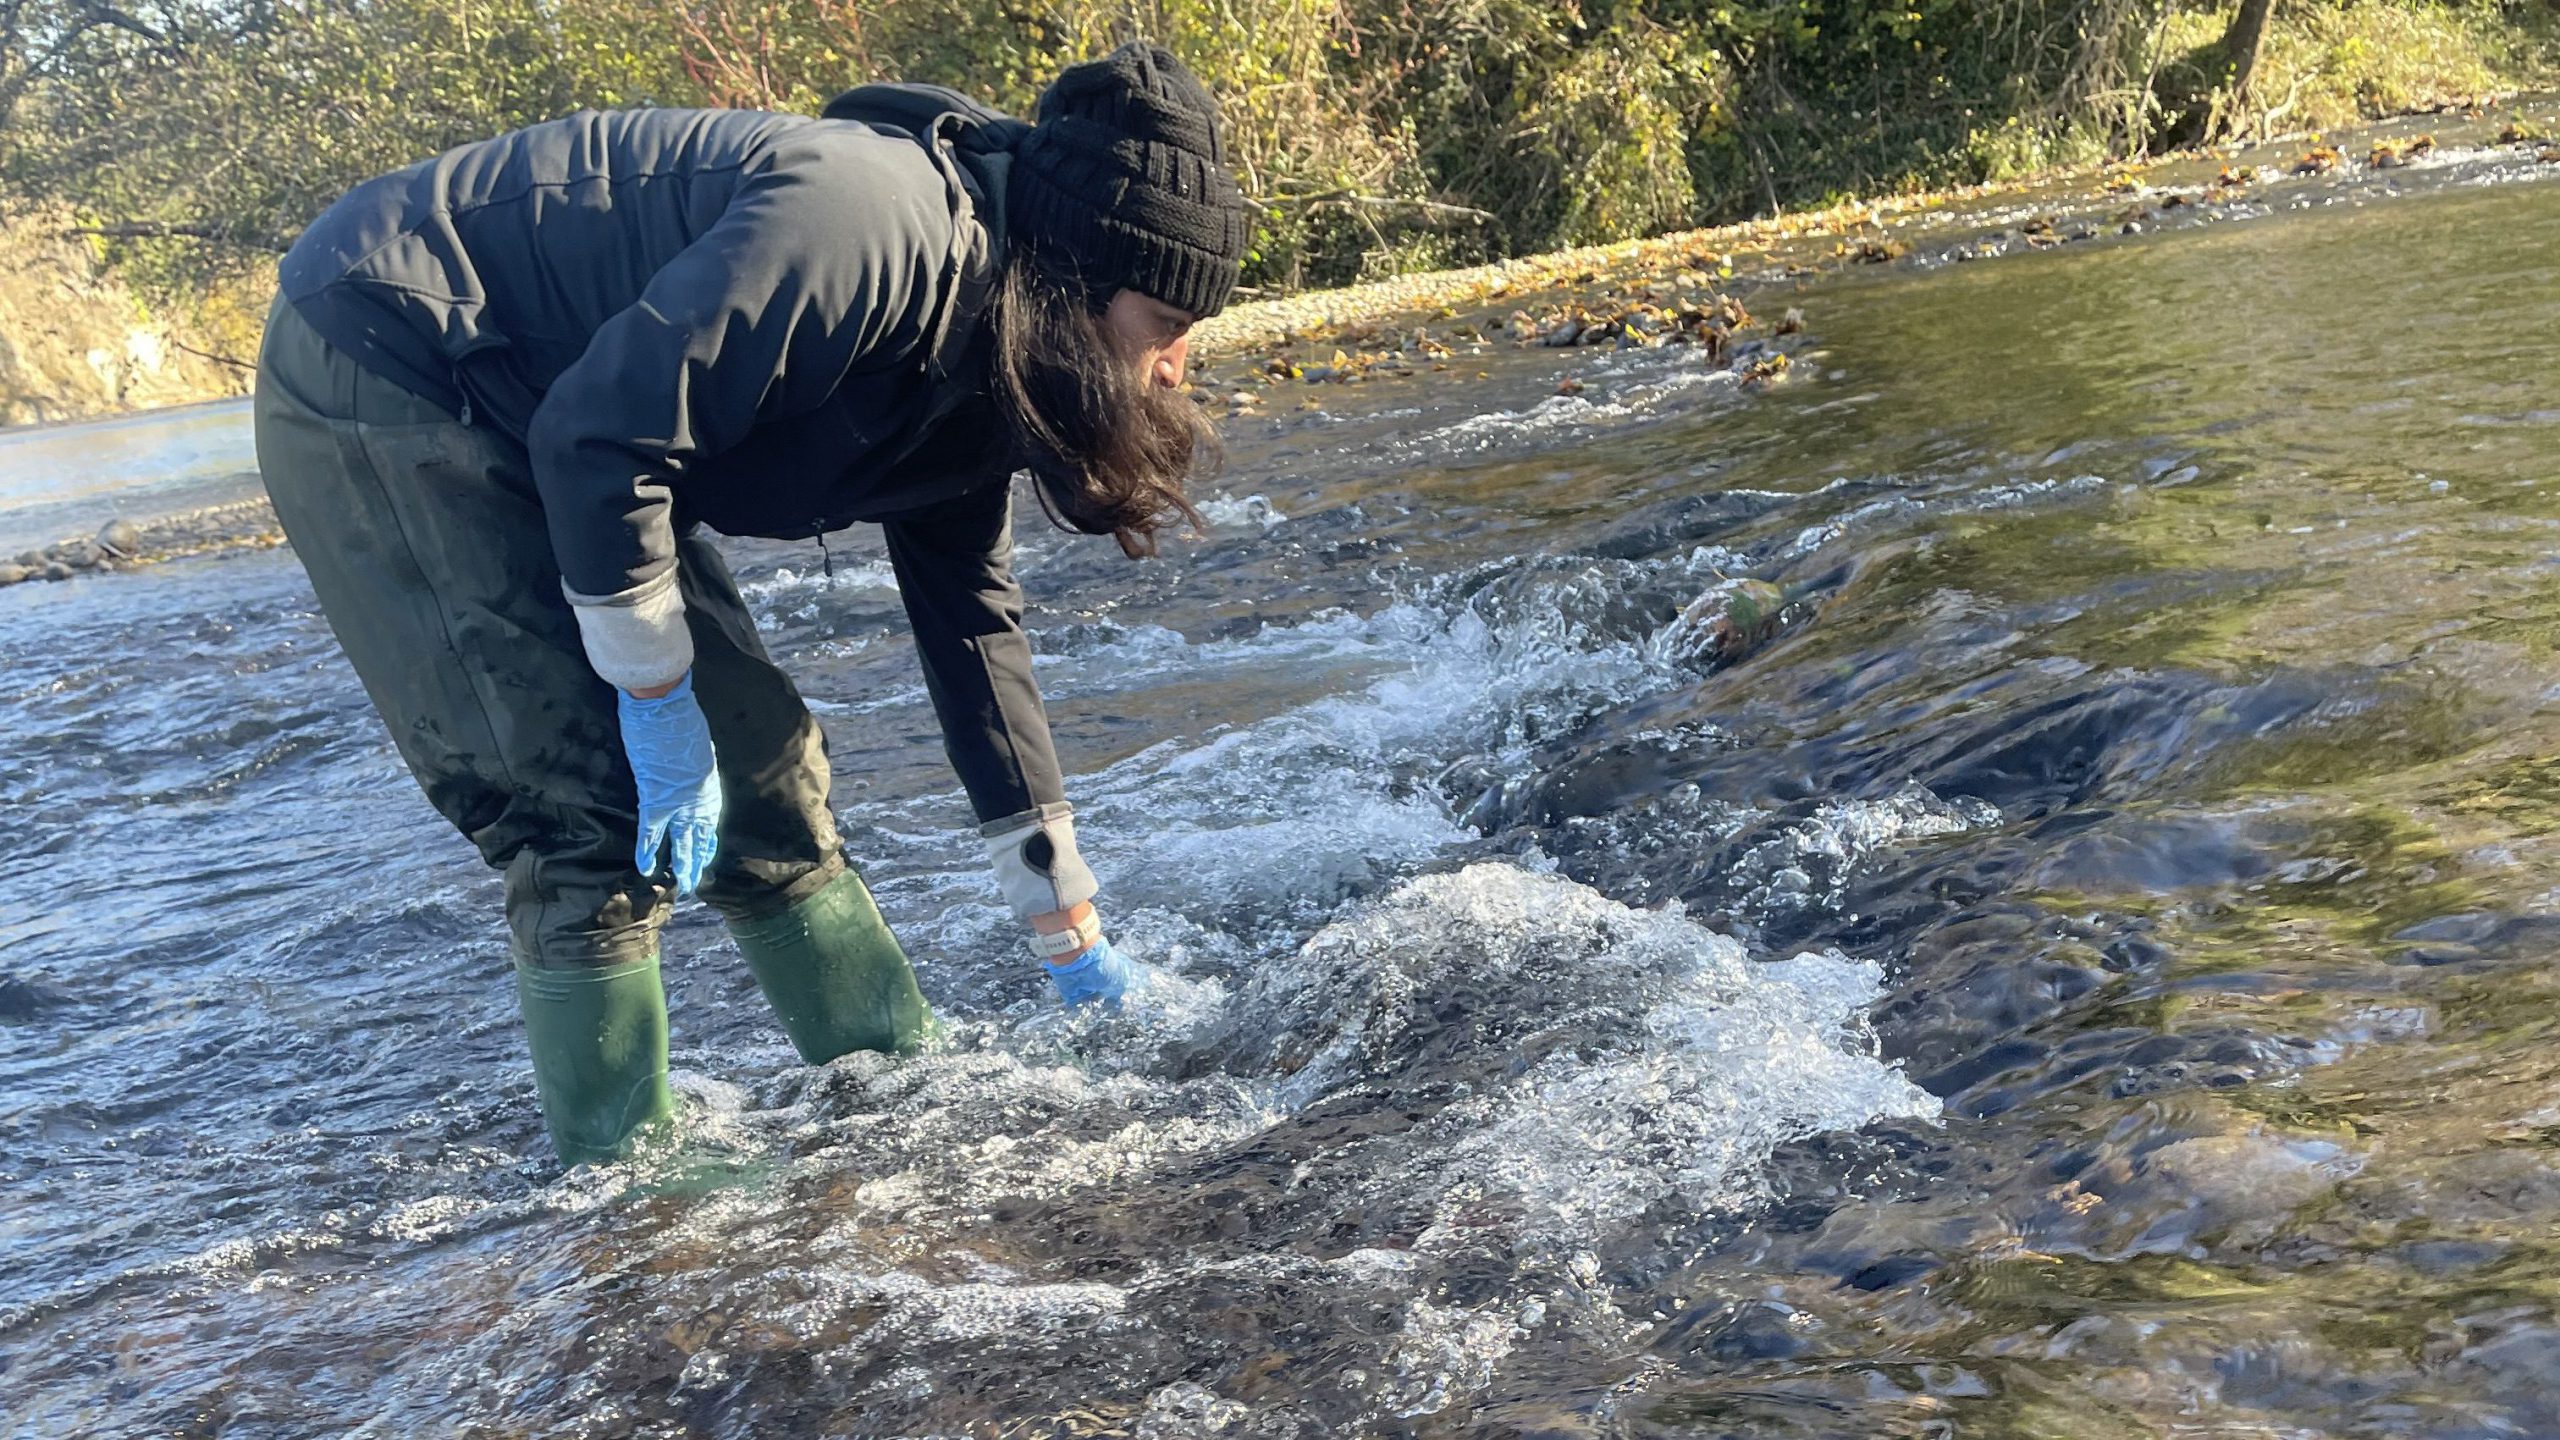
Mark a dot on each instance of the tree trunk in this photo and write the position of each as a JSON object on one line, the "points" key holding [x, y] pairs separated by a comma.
{"points": [[2240, 46], [2200, 119]]}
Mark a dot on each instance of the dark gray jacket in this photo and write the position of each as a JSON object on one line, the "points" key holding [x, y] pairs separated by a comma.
{"points": [[764, 323]]}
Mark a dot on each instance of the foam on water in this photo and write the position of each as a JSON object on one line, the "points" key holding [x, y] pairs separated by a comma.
{"points": [[1666, 1064], [1898, 507], [793, 594], [1641, 390], [1100, 656], [1240, 512], [1441, 1354], [1807, 864], [1283, 817]]}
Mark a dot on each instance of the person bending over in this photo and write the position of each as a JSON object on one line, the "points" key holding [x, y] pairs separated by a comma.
{"points": [[504, 391]]}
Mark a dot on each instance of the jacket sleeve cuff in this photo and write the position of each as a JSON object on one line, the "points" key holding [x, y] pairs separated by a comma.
{"points": [[636, 640], [1035, 859]]}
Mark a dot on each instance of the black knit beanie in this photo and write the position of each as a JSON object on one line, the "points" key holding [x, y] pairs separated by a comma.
{"points": [[1123, 183]]}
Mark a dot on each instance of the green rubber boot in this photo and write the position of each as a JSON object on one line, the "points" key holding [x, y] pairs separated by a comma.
{"points": [[599, 1055], [835, 974]]}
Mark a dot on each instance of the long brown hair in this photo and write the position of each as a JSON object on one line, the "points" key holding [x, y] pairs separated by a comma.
{"points": [[1111, 449]]}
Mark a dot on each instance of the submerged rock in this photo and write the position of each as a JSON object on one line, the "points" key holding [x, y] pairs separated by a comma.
{"points": [[2238, 1188], [2250, 1174], [23, 999]]}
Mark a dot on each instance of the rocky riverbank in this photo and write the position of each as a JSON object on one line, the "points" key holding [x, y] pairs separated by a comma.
{"points": [[126, 545]]}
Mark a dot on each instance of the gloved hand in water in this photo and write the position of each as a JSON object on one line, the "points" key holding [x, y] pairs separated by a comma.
{"points": [[671, 757], [1097, 975]]}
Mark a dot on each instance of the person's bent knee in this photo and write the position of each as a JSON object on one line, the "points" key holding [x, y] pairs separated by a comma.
{"points": [[581, 922], [745, 887]]}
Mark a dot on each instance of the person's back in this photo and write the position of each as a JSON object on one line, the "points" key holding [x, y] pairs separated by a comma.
{"points": [[502, 259]]}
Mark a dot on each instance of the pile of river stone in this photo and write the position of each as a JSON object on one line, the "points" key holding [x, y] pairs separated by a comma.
{"points": [[247, 524], [112, 548]]}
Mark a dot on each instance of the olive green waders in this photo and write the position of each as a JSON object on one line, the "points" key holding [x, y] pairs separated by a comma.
{"points": [[425, 543]]}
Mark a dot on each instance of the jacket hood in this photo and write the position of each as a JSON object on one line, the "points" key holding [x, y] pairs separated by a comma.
{"points": [[975, 146]]}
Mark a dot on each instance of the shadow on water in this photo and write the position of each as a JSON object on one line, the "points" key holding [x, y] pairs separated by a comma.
{"points": [[2002, 887]]}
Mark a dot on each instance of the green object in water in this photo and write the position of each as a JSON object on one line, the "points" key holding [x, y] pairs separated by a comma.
{"points": [[599, 1054], [835, 974], [1751, 618]]}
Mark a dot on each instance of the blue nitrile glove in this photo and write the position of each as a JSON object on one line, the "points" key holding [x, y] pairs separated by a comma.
{"points": [[1099, 975], [670, 747]]}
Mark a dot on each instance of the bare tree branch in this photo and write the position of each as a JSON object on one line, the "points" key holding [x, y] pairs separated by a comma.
{"points": [[235, 364], [111, 16], [146, 230], [1343, 199]]}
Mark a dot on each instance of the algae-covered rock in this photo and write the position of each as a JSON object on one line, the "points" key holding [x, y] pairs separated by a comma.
{"points": [[1732, 622], [1752, 615]]}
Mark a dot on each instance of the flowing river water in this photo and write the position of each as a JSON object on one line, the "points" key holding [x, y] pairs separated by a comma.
{"points": [[2087, 973]]}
